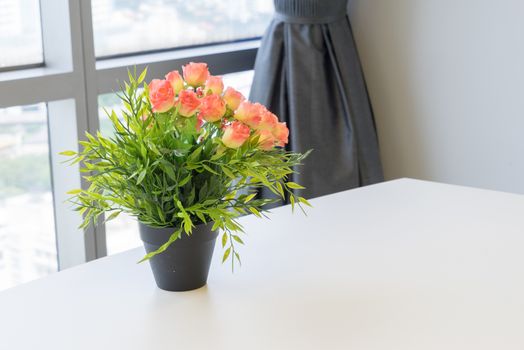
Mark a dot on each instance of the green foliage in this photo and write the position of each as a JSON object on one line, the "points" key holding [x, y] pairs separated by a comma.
{"points": [[24, 173], [159, 168]]}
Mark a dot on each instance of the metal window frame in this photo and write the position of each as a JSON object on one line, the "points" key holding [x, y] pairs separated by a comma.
{"points": [[70, 81]]}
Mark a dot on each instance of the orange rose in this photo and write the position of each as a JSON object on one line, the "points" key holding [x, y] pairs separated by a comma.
{"points": [[195, 74], [268, 121], [161, 95], [212, 108], [249, 113], [235, 135], [266, 140], [233, 98], [281, 134], [214, 84], [176, 81], [188, 102]]}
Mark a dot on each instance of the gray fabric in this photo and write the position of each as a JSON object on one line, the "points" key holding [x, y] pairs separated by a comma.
{"points": [[307, 72]]}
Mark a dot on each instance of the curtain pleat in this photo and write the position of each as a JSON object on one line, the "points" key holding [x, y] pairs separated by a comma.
{"points": [[308, 72]]}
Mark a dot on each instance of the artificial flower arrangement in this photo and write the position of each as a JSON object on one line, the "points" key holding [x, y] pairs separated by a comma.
{"points": [[186, 153]]}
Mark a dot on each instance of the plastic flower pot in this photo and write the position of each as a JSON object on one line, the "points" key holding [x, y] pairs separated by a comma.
{"points": [[184, 265]]}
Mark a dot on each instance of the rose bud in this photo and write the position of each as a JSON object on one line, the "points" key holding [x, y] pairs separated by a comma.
{"points": [[235, 135], [188, 102], [195, 74], [212, 108], [281, 134], [268, 121], [161, 95], [266, 140], [249, 113], [199, 123], [233, 98], [176, 81], [214, 84]]}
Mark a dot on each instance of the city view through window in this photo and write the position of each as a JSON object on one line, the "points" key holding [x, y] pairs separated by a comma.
{"points": [[127, 26], [20, 33], [27, 230]]}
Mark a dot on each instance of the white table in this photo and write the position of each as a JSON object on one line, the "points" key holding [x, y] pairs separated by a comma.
{"points": [[401, 265]]}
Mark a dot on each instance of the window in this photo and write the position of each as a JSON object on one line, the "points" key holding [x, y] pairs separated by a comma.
{"points": [[27, 228], [128, 26], [20, 33], [39, 231]]}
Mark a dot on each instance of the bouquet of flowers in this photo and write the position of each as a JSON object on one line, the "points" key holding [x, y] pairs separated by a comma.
{"points": [[186, 152]]}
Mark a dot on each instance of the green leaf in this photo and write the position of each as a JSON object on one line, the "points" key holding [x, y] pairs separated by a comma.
{"points": [[254, 211], [224, 239], [216, 225], [304, 201], [171, 240], [142, 76], [185, 180], [113, 215], [67, 153], [228, 172], [196, 153], [141, 176], [226, 254], [295, 186], [202, 193], [208, 168], [238, 258], [168, 168], [280, 189], [238, 239], [250, 197], [75, 191]]}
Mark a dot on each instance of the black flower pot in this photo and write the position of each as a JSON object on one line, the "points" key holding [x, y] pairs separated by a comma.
{"points": [[185, 264]]}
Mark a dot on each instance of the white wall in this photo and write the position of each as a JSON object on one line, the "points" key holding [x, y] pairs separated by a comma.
{"points": [[446, 80]]}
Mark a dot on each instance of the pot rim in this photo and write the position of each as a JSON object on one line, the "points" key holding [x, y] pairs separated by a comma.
{"points": [[160, 235]]}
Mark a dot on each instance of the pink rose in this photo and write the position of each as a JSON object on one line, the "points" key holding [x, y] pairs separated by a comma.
{"points": [[161, 95], [195, 74], [249, 113], [266, 140], [212, 108], [188, 102], [176, 81], [233, 98], [214, 84], [268, 121], [235, 135], [281, 134]]}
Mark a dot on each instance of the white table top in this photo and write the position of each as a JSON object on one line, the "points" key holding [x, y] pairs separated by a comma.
{"points": [[401, 265]]}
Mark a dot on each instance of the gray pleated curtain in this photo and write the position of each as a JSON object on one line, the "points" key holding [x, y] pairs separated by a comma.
{"points": [[307, 71]]}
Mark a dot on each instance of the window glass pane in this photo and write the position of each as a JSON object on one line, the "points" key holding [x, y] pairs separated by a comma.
{"points": [[20, 33], [122, 232], [27, 228], [127, 26]]}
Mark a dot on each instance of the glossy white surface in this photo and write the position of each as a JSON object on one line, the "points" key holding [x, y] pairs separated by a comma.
{"points": [[400, 265]]}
